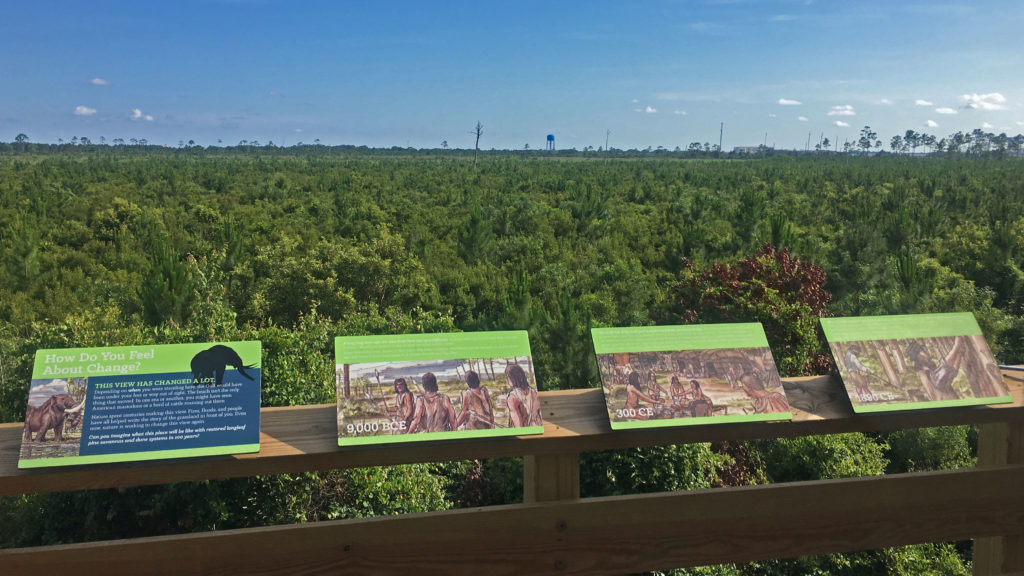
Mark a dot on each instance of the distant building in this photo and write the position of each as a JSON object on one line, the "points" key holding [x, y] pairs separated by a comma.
{"points": [[749, 149]]}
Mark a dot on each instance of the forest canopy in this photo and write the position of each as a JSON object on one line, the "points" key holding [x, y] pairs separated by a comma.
{"points": [[124, 245]]}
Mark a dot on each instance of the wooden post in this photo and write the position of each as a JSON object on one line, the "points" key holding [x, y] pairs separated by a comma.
{"points": [[1000, 444], [551, 477]]}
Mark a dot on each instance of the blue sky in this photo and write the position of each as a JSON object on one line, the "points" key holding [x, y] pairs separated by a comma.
{"points": [[653, 72]]}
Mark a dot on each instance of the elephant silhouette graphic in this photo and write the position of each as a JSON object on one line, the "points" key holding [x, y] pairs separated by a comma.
{"points": [[209, 365]]}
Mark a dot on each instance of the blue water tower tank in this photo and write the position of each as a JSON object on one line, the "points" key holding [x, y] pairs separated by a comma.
{"points": [[551, 142]]}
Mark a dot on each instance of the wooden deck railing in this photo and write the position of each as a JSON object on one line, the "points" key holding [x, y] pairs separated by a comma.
{"points": [[555, 531]]}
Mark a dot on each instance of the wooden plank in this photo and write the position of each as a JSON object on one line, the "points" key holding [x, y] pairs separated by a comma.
{"points": [[587, 536], [303, 438], [551, 477]]}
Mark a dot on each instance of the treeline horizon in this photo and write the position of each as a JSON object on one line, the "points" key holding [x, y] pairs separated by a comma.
{"points": [[974, 143]]}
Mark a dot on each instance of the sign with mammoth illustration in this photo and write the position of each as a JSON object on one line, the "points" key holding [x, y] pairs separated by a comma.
{"points": [[117, 404], [418, 387], [914, 361], [682, 375]]}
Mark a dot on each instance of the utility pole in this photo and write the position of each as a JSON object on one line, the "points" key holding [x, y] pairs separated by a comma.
{"points": [[479, 130], [606, 135], [721, 130]]}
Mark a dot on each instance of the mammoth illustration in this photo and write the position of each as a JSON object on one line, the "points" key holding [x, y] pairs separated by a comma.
{"points": [[51, 415], [212, 362]]}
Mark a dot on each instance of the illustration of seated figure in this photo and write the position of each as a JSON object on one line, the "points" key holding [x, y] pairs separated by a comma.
{"points": [[764, 400], [700, 403], [476, 411], [654, 390], [635, 393], [678, 392]]}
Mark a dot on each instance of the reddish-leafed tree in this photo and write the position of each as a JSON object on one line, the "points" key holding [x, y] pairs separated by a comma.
{"points": [[772, 287]]}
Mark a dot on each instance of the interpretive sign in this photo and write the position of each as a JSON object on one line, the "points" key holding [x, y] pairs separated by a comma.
{"points": [[116, 404], [435, 386], [914, 361], [679, 375]]}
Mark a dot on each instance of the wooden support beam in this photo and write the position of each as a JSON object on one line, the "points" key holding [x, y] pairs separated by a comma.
{"points": [[585, 536], [1000, 444], [551, 477]]}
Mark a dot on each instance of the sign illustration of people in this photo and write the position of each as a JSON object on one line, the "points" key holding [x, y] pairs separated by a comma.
{"points": [[703, 383], [444, 386], [914, 361]]}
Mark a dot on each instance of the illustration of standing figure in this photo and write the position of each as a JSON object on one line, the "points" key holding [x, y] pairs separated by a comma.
{"points": [[405, 404], [937, 379], [858, 371], [764, 400], [523, 401], [477, 413], [634, 394], [434, 411]]}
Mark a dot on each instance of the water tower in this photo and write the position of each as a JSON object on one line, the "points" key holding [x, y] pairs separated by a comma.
{"points": [[551, 142]]}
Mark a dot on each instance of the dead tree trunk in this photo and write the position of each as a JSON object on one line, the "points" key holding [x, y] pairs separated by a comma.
{"points": [[479, 130]]}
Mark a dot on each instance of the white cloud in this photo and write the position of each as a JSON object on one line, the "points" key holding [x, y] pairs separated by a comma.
{"points": [[845, 110], [636, 101], [773, 116], [138, 115], [802, 118], [991, 101], [99, 82], [945, 110], [787, 102], [679, 112], [885, 101], [841, 124], [920, 102], [931, 124], [987, 126], [782, 18], [1020, 122], [84, 111], [650, 110]]}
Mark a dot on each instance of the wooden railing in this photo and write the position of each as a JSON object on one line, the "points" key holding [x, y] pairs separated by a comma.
{"points": [[555, 531]]}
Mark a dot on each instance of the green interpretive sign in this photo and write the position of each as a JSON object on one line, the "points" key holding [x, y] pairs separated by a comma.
{"points": [[418, 387], [915, 361], [147, 402], [683, 375]]}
